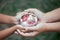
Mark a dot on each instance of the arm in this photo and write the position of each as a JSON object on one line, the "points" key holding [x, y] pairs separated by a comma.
{"points": [[48, 17], [52, 16], [53, 26], [47, 27], [7, 19], [7, 32]]}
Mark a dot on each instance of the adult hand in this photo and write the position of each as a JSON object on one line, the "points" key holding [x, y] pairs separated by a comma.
{"points": [[38, 13], [33, 31], [36, 30]]}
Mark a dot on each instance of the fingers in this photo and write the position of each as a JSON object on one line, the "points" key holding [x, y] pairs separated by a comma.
{"points": [[16, 32], [35, 28], [30, 10], [20, 27], [27, 29], [30, 34]]}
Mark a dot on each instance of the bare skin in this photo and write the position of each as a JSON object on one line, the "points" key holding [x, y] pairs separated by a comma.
{"points": [[52, 24], [52, 16], [49, 17], [8, 31], [7, 19]]}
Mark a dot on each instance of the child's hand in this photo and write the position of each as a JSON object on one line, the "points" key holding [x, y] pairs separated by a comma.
{"points": [[13, 20]]}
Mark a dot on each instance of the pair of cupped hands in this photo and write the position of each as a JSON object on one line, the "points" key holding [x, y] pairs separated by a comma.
{"points": [[32, 31]]}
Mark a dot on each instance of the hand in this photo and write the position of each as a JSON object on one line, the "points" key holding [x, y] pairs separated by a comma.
{"points": [[14, 20], [38, 13], [33, 31]]}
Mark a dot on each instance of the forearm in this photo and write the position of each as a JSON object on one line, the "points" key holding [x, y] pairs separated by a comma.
{"points": [[52, 16], [6, 19], [5, 33], [53, 27]]}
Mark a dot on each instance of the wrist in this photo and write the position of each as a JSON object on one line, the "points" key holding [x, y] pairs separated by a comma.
{"points": [[48, 27], [13, 20], [16, 26], [19, 27], [44, 27], [44, 18]]}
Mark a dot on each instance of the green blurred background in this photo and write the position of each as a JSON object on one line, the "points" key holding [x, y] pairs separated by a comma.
{"points": [[11, 7]]}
